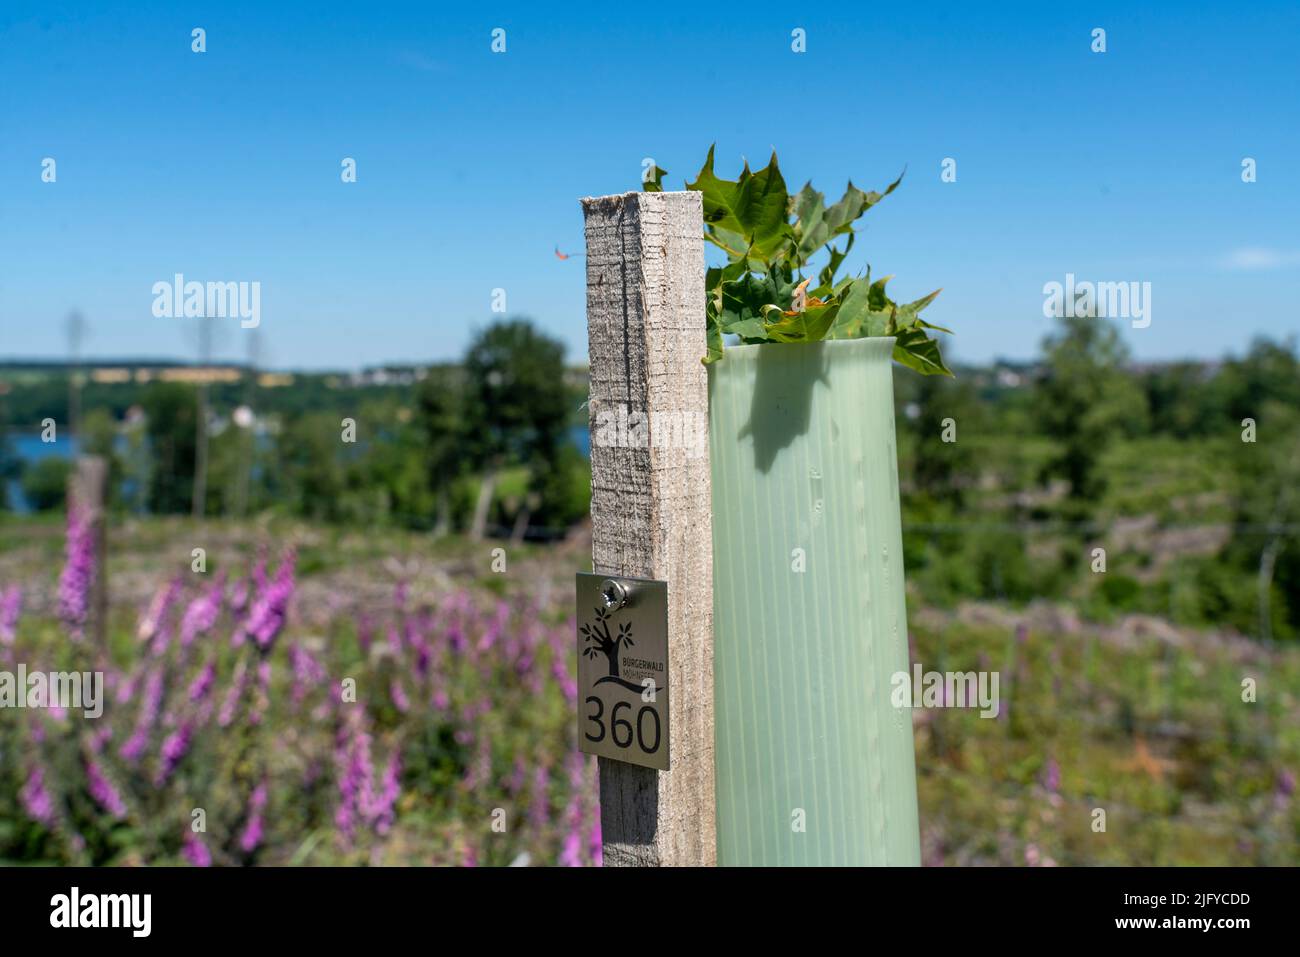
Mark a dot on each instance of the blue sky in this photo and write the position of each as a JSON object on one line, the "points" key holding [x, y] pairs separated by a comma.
{"points": [[1122, 166]]}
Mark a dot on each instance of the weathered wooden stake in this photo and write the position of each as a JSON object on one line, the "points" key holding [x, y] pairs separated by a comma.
{"points": [[650, 504]]}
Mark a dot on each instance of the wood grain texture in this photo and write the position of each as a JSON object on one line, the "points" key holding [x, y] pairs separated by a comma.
{"points": [[650, 502]]}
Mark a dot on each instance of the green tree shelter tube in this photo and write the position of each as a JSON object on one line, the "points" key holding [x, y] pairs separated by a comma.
{"points": [[815, 766]]}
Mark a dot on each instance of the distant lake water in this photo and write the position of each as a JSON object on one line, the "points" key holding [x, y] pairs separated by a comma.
{"points": [[580, 435], [28, 448]]}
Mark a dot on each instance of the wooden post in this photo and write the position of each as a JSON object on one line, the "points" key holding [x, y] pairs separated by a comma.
{"points": [[650, 503], [87, 490]]}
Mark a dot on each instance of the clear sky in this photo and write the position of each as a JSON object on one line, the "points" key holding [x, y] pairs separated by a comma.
{"points": [[1116, 166]]}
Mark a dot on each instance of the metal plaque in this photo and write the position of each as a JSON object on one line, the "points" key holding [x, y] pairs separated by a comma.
{"points": [[623, 669]]}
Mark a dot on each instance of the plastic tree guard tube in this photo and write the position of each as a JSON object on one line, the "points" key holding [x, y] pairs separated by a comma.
{"points": [[815, 765]]}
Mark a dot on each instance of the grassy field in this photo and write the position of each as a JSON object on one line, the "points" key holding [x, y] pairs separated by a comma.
{"points": [[460, 749]]}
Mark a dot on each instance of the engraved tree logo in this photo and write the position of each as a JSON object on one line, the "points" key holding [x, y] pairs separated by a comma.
{"points": [[601, 642]]}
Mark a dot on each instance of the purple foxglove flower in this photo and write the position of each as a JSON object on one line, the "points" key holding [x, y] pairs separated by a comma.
{"points": [[263, 697], [36, 798], [202, 613], [134, 746], [252, 835], [456, 638], [423, 655], [102, 790], [595, 843], [259, 570], [202, 684], [156, 626], [267, 616], [518, 777], [382, 811], [355, 776], [99, 739], [195, 851], [539, 809], [174, 748], [126, 690], [240, 594], [307, 672], [496, 627], [575, 767], [568, 685], [1286, 783], [11, 603], [150, 704], [1052, 776], [571, 852], [401, 701], [231, 703], [78, 571]]}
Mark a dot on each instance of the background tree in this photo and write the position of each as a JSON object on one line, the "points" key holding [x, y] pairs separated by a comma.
{"points": [[1085, 400], [10, 466], [441, 400], [517, 408], [391, 475], [1265, 387], [45, 483], [310, 456], [171, 414], [1268, 373], [99, 437], [1181, 400], [943, 470]]}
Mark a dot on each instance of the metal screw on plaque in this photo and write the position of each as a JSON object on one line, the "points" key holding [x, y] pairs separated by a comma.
{"points": [[614, 594]]}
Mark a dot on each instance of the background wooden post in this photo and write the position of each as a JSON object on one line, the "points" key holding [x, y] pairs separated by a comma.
{"points": [[87, 488], [650, 504]]}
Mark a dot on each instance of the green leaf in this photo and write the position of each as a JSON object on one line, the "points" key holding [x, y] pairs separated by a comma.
{"points": [[918, 351], [733, 244], [877, 297], [750, 212], [745, 298], [712, 339], [752, 296], [909, 312], [826, 278], [811, 325], [866, 310], [818, 224], [654, 183], [749, 330]]}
